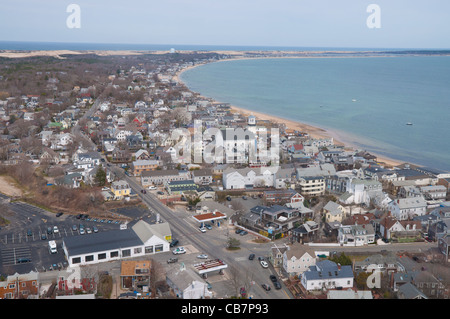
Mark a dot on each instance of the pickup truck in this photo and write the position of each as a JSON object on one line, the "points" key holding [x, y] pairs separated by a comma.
{"points": [[178, 251], [172, 260]]}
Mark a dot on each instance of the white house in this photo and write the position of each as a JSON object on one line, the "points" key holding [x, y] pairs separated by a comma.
{"points": [[356, 235], [407, 208], [327, 275], [248, 177], [298, 259]]}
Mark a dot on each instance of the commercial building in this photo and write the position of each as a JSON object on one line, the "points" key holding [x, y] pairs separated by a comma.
{"points": [[141, 240]]}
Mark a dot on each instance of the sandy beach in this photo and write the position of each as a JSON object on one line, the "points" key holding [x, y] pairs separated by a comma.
{"points": [[313, 131]]}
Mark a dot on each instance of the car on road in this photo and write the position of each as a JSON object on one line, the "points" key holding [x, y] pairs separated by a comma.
{"points": [[244, 197], [172, 260], [251, 257], [202, 256], [277, 285], [229, 198], [29, 232], [179, 250], [266, 287], [152, 188], [160, 193], [202, 229], [55, 230], [243, 233], [95, 229], [273, 278], [174, 242], [143, 191], [264, 264], [238, 231], [59, 214]]}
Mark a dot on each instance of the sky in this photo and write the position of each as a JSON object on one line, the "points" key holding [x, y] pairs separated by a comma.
{"points": [[285, 23]]}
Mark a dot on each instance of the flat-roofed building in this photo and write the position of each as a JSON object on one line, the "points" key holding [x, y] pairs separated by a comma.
{"points": [[140, 240]]}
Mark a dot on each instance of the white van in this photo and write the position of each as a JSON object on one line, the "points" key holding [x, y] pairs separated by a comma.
{"points": [[52, 247]]}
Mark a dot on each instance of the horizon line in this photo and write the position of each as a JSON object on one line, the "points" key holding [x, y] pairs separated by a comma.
{"points": [[214, 45]]}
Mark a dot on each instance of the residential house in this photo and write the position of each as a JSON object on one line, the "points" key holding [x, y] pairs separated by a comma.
{"points": [[391, 228], [333, 212], [142, 155], [20, 286], [120, 189], [386, 264], [326, 274], [407, 208], [409, 291], [356, 235], [444, 247], [161, 177], [311, 185], [202, 176], [186, 284], [305, 232], [298, 259], [140, 166], [179, 187], [282, 197], [248, 177]]}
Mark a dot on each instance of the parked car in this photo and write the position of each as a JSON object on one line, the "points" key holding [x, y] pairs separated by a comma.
{"points": [[229, 198], [277, 285], [244, 197], [238, 231], [55, 230], [202, 229], [43, 236], [179, 250], [49, 230], [151, 187], [78, 216], [88, 230], [174, 242], [243, 233], [208, 226], [95, 229], [202, 256], [82, 232], [251, 257], [172, 260], [59, 214], [273, 278], [74, 228], [264, 264], [266, 287], [23, 260], [29, 232]]}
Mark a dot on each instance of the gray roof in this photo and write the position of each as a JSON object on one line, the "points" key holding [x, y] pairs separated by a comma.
{"points": [[409, 291], [102, 241], [328, 270]]}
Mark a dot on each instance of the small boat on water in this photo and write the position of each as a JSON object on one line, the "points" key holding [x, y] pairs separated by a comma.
{"points": [[354, 100], [409, 123]]}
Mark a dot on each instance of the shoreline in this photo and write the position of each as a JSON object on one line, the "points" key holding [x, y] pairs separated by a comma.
{"points": [[312, 130]]}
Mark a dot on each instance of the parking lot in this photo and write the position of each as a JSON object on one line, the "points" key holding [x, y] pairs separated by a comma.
{"points": [[24, 241]]}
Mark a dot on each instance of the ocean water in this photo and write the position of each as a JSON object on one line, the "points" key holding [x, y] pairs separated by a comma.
{"points": [[389, 92]]}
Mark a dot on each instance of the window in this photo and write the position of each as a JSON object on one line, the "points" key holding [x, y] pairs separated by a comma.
{"points": [[137, 250], [126, 253], [89, 258], [114, 254], [76, 260], [159, 248], [149, 249], [101, 256]]}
